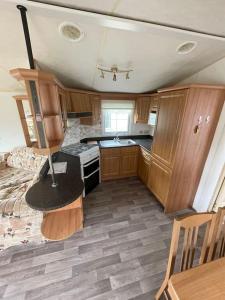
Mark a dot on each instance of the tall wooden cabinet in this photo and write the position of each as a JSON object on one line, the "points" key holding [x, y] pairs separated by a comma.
{"points": [[187, 119]]}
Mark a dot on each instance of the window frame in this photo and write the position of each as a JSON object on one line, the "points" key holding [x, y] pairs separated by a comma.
{"points": [[130, 116]]}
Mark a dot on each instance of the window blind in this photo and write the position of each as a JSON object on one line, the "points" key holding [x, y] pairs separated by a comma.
{"points": [[118, 104]]}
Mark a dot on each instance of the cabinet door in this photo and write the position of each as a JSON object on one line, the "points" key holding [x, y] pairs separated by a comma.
{"points": [[63, 106], [110, 163], [170, 111], [159, 180], [129, 161], [80, 102], [143, 168], [143, 165], [200, 120], [154, 103], [96, 109], [142, 109]]}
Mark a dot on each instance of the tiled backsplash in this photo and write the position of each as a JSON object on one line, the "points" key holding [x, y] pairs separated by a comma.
{"points": [[72, 134], [76, 131]]}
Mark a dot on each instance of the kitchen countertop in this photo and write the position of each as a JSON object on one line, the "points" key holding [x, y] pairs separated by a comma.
{"points": [[78, 148], [43, 197], [145, 141]]}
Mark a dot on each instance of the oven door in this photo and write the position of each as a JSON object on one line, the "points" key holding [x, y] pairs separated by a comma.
{"points": [[91, 174], [91, 181], [91, 166]]}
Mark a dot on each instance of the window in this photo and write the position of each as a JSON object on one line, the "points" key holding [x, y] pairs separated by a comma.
{"points": [[117, 115]]}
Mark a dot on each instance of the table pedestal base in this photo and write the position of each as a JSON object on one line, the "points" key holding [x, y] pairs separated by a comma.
{"points": [[61, 223]]}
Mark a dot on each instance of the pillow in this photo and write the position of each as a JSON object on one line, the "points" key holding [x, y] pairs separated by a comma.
{"points": [[25, 158]]}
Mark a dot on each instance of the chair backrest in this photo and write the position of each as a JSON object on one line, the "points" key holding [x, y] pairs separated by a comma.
{"points": [[190, 225], [217, 248], [189, 231]]}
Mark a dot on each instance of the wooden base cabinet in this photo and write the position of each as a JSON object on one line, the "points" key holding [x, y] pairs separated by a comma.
{"points": [[159, 178], [110, 163], [128, 161], [186, 123], [119, 162], [143, 165]]}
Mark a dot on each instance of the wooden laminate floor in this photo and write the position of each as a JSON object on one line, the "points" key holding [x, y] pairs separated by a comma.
{"points": [[120, 254]]}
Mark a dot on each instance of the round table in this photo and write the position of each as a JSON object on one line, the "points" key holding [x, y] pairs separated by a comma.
{"points": [[62, 205]]}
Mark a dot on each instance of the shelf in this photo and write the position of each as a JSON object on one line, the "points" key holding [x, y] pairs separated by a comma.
{"points": [[50, 116], [54, 146]]}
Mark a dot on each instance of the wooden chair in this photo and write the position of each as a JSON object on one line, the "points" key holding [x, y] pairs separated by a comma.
{"points": [[217, 248], [190, 225]]}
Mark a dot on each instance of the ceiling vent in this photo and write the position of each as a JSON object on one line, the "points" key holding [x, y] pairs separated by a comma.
{"points": [[186, 47], [71, 32]]}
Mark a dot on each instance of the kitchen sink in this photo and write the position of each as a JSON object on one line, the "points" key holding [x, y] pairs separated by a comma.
{"points": [[117, 143], [126, 142]]}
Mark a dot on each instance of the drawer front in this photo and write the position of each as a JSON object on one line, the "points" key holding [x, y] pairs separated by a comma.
{"points": [[110, 152], [130, 149]]}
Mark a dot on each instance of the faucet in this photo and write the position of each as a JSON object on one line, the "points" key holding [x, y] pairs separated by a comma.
{"points": [[116, 138]]}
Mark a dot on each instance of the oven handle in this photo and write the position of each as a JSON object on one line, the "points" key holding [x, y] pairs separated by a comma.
{"points": [[91, 162], [91, 173]]}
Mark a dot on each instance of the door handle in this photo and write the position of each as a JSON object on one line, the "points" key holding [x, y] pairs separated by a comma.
{"points": [[91, 173]]}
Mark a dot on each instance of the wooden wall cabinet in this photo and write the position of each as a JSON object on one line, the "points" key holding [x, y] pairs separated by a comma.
{"points": [[187, 119], [85, 102], [143, 165], [80, 102], [43, 96], [96, 109], [154, 101], [119, 162], [142, 109], [63, 99]]}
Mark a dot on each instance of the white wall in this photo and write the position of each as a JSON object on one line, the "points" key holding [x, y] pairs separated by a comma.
{"points": [[11, 133], [214, 74]]}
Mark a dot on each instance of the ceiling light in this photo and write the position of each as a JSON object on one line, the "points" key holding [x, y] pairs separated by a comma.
{"points": [[71, 31], [114, 70], [186, 47]]}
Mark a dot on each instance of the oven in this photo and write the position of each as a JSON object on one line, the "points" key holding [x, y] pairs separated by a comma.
{"points": [[90, 169], [91, 175], [89, 164]]}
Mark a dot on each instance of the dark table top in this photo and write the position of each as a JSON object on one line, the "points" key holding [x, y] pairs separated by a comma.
{"points": [[42, 196]]}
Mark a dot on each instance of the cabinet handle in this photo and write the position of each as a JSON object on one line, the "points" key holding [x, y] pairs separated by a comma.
{"points": [[207, 119], [196, 129]]}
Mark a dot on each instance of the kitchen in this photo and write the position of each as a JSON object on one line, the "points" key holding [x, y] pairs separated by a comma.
{"points": [[153, 159]]}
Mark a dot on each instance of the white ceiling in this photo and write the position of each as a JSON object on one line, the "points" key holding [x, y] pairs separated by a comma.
{"points": [[201, 15], [150, 50]]}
